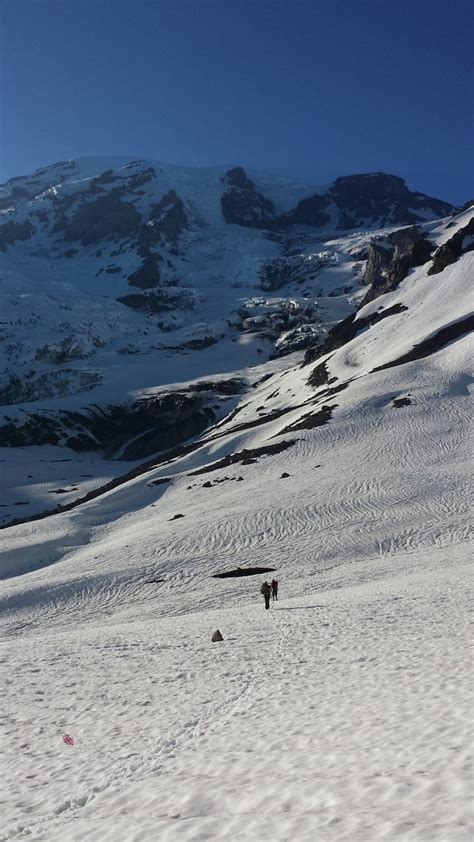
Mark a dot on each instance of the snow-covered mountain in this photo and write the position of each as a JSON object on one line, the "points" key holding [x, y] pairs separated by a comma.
{"points": [[288, 388], [115, 272]]}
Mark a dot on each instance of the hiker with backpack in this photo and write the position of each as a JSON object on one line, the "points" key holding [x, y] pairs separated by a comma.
{"points": [[266, 590], [274, 587]]}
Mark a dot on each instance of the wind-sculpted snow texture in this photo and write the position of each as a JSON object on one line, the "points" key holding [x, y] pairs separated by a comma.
{"points": [[343, 713]]}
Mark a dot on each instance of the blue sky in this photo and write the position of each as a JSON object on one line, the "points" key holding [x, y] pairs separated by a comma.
{"points": [[304, 88]]}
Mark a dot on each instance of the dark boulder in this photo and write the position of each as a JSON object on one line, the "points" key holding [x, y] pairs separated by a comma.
{"points": [[243, 571], [399, 402], [216, 637]]}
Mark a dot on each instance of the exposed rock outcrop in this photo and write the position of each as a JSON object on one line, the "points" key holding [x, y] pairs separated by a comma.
{"points": [[68, 349], [381, 197], [51, 384], [127, 432], [450, 251], [351, 201], [311, 420], [104, 217], [168, 218], [310, 212], [162, 300], [389, 264], [242, 204], [11, 232], [148, 275]]}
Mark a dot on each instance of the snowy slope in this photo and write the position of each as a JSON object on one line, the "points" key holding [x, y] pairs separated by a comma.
{"points": [[245, 425], [341, 714]]}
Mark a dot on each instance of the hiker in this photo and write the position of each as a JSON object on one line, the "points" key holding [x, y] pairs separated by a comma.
{"points": [[274, 590], [266, 591]]}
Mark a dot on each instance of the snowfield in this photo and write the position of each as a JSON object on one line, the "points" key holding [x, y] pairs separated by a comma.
{"points": [[342, 714]]}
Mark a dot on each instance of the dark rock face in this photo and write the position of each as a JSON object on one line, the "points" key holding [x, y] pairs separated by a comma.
{"points": [[452, 249], [66, 350], [33, 185], [159, 300], [52, 384], [216, 637], [38, 430], [168, 217], [200, 344], [319, 376], [378, 258], [372, 198], [233, 386], [312, 420], [149, 425], [105, 217], [308, 212], [140, 178], [242, 204], [106, 177], [388, 266], [11, 232], [148, 275], [243, 456], [380, 196], [174, 418]]}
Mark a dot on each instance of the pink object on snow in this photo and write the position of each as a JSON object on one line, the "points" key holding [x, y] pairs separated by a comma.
{"points": [[68, 740]]}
